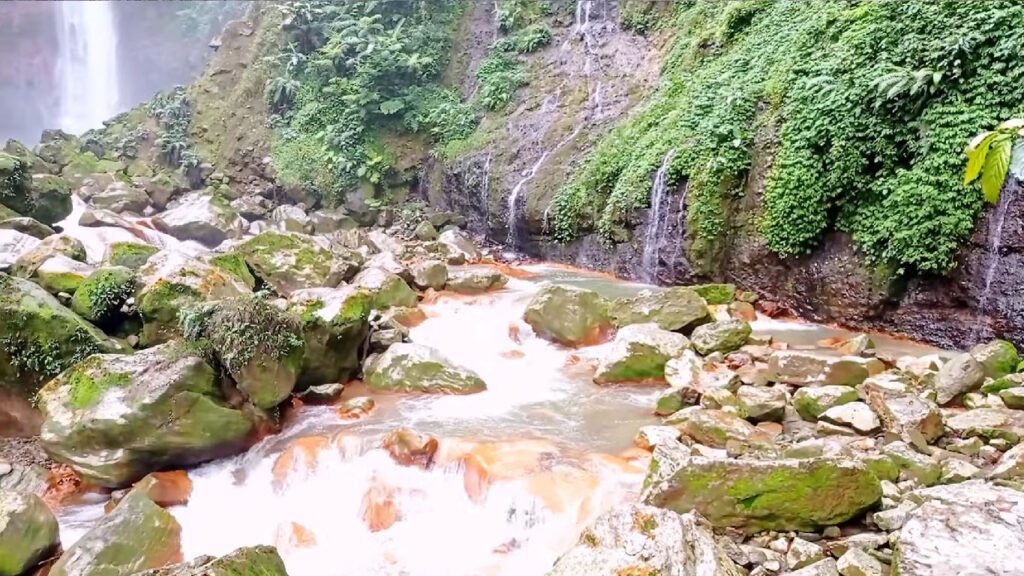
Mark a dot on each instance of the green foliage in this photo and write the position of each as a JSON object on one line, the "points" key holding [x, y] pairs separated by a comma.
{"points": [[174, 112], [515, 14], [640, 16], [993, 155], [99, 299], [44, 358], [862, 109], [12, 176], [441, 112], [201, 19], [130, 254], [499, 76]]}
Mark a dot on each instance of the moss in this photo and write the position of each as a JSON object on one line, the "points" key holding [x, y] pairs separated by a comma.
{"points": [[234, 265], [716, 293], [60, 281], [99, 299], [88, 382], [589, 538], [130, 254], [645, 523], [159, 306], [309, 311]]}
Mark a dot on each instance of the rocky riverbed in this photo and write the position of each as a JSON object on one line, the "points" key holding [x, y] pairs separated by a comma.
{"points": [[248, 386]]}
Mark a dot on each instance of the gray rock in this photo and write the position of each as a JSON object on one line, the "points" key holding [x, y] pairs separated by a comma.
{"points": [[203, 218], [407, 367], [672, 544], [955, 471], [252, 207], [677, 308], [762, 404], [961, 374], [425, 231], [460, 245], [255, 561], [722, 336], [1011, 465], [718, 428], [803, 553], [121, 197], [639, 354], [997, 358], [650, 436], [810, 402], [28, 532], [857, 562], [328, 221], [826, 567], [475, 281], [289, 218], [856, 415], [29, 226], [13, 245], [905, 415], [914, 465], [431, 274], [987, 423]]}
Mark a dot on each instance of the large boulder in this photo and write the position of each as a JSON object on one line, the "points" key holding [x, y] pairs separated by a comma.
{"points": [[121, 197], [115, 418], [13, 245], [258, 345], [968, 528], [132, 255], [406, 367], [334, 325], [386, 288], [757, 495], [639, 354], [987, 423], [99, 299], [960, 375], [290, 262], [806, 368], [170, 282], [60, 244], [905, 415], [45, 197], [672, 544], [39, 337], [137, 535], [678, 309], [459, 245], [722, 336], [28, 532], [29, 226], [475, 281], [997, 358], [569, 316], [204, 218], [432, 274], [254, 561], [59, 273]]}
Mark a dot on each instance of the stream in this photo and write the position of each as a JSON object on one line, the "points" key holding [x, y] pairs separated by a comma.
{"points": [[554, 451]]}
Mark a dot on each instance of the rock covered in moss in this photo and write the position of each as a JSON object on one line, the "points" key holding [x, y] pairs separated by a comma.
{"points": [[432, 274], [672, 543], [99, 299], [254, 561], [810, 402], [958, 376], [718, 428], [716, 293], [257, 344], [171, 281], [997, 358], [678, 309], [115, 418], [722, 336], [39, 337], [60, 244], [44, 197], [58, 273], [334, 323], [25, 225], [205, 218], [639, 354], [129, 254], [406, 367], [425, 231], [162, 187], [137, 535], [387, 289], [290, 262], [756, 495], [568, 315], [475, 281], [28, 532], [121, 197]]}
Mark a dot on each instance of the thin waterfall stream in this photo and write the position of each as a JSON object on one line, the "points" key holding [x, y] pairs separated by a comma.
{"points": [[994, 242], [657, 221]]}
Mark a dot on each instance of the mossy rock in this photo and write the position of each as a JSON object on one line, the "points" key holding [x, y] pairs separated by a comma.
{"points": [[721, 336], [85, 164], [716, 293], [28, 532], [288, 262], [813, 401], [59, 273], [25, 225], [170, 414], [46, 197], [335, 324], [234, 265], [99, 299], [475, 281], [568, 315], [137, 535], [255, 561], [639, 354], [256, 343], [678, 309], [130, 254], [416, 368], [997, 358], [58, 147], [386, 288], [758, 495], [39, 337]]}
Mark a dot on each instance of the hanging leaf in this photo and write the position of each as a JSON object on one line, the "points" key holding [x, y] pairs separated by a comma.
{"points": [[997, 163], [976, 152], [1017, 161]]}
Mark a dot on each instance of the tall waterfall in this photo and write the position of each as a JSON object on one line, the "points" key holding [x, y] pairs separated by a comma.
{"points": [[87, 68], [657, 220]]}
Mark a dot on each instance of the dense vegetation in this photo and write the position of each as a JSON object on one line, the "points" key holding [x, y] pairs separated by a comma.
{"points": [[863, 107]]}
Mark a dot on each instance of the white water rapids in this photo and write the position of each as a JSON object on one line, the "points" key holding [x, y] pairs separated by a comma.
{"points": [[87, 73]]}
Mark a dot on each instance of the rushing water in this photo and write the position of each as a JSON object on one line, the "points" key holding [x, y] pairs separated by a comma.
{"points": [[87, 68], [657, 221]]}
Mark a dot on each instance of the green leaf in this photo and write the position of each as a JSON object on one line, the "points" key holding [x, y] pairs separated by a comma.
{"points": [[997, 163], [976, 152]]}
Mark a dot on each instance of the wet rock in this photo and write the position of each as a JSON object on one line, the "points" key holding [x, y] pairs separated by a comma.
{"points": [[165, 489], [762, 404], [416, 368], [410, 448], [813, 401], [475, 281], [742, 311], [99, 299], [639, 353], [756, 495], [678, 309], [132, 255], [257, 344], [961, 374], [717, 428], [987, 423], [255, 561], [57, 245], [907, 416], [386, 289], [460, 245], [137, 535], [356, 408], [121, 197], [856, 415], [29, 226], [334, 325], [997, 358], [332, 220], [45, 197], [425, 231], [59, 273], [672, 544], [13, 245], [569, 316], [28, 532], [431, 274], [650, 436], [722, 336], [290, 262], [322, 394], [171, 281], [289, 218], [204, 218], [114, 418], [968, 528]]}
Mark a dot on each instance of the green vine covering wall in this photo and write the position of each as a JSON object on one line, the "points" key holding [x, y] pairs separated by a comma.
{"points": [[866, 108]]}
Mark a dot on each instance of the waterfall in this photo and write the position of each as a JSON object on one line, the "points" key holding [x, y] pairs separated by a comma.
{"points": [[87, 67], [657, 220], [994, 243], [513, 200]]}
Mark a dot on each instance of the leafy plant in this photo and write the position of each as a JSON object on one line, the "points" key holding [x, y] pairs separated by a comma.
{"points": [[993, 154]]}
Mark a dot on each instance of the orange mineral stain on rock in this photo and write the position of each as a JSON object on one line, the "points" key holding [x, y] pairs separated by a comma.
{"points": [[171, 488], [62, 484], [563, 488], [293, 535], [410, 448], [513, 333], [379, 510], [488, 462], [410, 317], [301, 456], [513, 354], [356, 408]]}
